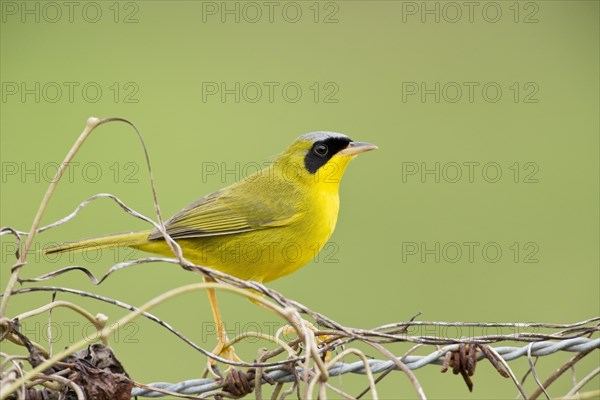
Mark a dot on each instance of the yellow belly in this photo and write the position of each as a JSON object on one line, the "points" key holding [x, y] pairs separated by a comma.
{"points": [[261, 255]]}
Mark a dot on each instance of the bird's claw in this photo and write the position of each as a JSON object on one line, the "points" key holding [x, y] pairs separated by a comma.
{"points": [[223, 351], [320, 340]]}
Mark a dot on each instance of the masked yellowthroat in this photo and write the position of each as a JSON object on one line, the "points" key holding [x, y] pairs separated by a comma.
{"points": [[263, 227]]}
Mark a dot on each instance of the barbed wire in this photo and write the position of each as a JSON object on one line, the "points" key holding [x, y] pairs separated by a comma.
{"points": [[413, 362]]}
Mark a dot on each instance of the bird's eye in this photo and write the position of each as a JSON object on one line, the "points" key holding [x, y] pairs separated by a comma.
{"points": [[321, 150]]}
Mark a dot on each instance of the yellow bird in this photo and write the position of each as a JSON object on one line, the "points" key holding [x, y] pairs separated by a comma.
{"points": [[261, 228]]}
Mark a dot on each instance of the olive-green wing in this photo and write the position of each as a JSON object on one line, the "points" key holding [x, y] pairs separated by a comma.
{"points": [[226, 213]]}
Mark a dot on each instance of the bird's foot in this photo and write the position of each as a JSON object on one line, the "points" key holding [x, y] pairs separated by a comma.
{"points": [[223, 351], [320, 340]]}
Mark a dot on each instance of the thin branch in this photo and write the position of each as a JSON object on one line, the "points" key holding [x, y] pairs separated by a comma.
{"points": [[99, 320], [556, 374], [90, 125], [413, 379], [509, 370], [340, 357], [586, 379], [533, 371]]}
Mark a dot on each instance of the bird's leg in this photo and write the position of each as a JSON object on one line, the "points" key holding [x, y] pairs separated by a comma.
{"points": [[220, 350]]}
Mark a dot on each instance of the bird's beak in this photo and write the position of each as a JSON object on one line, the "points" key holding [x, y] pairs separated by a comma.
{"points": [[357, 148]]}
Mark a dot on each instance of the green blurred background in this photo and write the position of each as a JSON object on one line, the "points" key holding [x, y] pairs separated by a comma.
{"points": [[420, 80]]}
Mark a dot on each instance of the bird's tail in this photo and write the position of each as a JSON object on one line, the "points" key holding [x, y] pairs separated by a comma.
{"points": [[129, 239]]}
